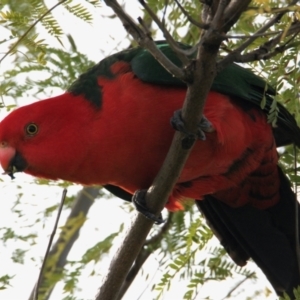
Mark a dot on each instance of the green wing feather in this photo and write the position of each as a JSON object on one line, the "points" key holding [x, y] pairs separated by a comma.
{"points": [[246, 84], [234, 81]]}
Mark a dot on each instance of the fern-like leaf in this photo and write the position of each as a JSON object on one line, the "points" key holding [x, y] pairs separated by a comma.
{"points": [[79, 11]]}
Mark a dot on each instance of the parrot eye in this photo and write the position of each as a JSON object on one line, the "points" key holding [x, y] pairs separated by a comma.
{"points": [[31, 129], [3, 144]]}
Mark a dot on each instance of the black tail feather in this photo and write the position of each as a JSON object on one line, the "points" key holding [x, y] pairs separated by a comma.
{"points": [[267, 236], [118, 192]]}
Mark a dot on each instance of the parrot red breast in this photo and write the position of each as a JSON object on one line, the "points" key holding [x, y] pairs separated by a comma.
{"points": [[112, 127]]}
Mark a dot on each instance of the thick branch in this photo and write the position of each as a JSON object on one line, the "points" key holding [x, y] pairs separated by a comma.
{"points": [[203, 70], [149, 247], [124, 258]]}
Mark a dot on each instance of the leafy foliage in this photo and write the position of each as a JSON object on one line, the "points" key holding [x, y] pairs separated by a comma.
{"points": [[4, 281], [21, 21], [287, 297], [79, 11], [188, 252]]}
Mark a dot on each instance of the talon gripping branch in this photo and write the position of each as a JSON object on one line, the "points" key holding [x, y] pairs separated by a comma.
{"points": [[112, 127]]}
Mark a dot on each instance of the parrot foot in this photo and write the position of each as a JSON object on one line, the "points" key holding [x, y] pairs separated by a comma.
{"points": [[178, 124], [139, 201]]}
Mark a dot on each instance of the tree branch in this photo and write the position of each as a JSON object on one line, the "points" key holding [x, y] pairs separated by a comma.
{"points": [[191, 20], [144, 40], [238, 285], [264, 50], [230, 58], [233, 12], [148, 248], [166, 33], [203, 70]]}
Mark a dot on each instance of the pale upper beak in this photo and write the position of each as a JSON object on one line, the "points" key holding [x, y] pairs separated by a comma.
{"points": [[6, 154], [11, 161]]}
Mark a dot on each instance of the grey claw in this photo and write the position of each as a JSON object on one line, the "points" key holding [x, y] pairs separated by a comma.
{"points": [[139, 202], [204, 126]]}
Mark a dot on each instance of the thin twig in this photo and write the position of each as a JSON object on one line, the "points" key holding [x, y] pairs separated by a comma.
{"points": [[63, 245], [275, 10], [238, 285], [144, 40], [279, 49], [64, 193], [264, 51], [232, 56], [172, 43], [157, 237], [164, 13], [247, 36], [191, 20]]}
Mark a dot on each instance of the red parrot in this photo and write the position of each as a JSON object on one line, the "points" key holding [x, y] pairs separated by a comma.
{"points": [[112, 127]]}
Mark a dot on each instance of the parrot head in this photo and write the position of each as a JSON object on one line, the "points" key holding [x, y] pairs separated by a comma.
{"points": [[41, 139]]}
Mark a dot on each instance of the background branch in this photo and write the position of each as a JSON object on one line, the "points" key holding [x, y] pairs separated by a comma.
{"points": [[264, 51], [57, 258], [247, 277], [233, 56]]}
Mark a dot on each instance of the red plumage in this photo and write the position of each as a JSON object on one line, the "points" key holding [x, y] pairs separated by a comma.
{"points": [[113, 128], [125, 142]]}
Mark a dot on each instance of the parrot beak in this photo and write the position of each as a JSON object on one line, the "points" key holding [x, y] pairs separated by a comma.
{"points": [[11, 161]]}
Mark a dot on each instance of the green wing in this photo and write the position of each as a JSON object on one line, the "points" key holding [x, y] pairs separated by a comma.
{"points": [[234, 81]]}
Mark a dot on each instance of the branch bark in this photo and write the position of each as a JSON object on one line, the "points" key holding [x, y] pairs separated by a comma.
{"points": [[144, 39], [270, 48], [148, 248], [202, 71]]}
